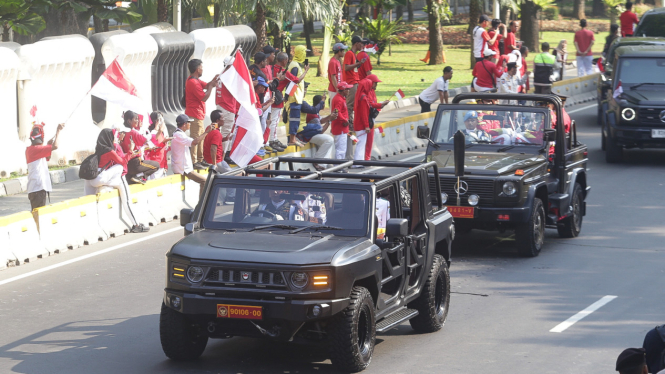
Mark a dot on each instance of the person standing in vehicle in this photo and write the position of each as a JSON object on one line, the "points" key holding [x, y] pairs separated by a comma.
{"points": [[542, 75], [438, 90], [584, 40], [614, 33], [628, 19]]}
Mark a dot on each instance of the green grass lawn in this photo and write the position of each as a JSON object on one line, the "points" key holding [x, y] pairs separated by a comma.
{"points": [[553, 37]]}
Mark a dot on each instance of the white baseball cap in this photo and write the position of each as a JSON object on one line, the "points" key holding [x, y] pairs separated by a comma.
{"points": [[229, 60], [489, 52]]}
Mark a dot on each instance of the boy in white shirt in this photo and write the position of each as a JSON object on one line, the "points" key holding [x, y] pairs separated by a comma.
{"points": [[181, 162]]}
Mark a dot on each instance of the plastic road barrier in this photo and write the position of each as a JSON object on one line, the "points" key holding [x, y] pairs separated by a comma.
{"points": [[84, 220], [98, 106], [55, 223], [139, 201], [24, 242], [245, 38], [166, 198], [7, 258], [54, 76], [110, 215], [12, 149], [156, 28]]}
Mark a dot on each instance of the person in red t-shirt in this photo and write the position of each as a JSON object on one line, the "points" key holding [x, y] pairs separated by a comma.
{"points": [[484, 72], [340, 126], [509, 44], [628, 19], [160, 140], [500, 30], [584, 40], [283, 77], [365, 99], [197, 93], [270, 58], [335, 69], [36, 156], [213, 151], [132, 145], [365, 68], [228, 105], [350, 71], [113, 167]]}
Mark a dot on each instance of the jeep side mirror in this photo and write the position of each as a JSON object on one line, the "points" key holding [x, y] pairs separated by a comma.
{"points": [[186, 216], [189, 228], [422, 132], [397, 227], [549, 135]]}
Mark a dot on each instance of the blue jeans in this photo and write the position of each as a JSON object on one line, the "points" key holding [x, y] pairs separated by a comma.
{"points": [[294, 118]]}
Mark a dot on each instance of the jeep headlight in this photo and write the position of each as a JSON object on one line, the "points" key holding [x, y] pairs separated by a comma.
{"points": [[628, 114], [509, 188], [195, 274], [299, 279], [444, 197], [473, 200]]}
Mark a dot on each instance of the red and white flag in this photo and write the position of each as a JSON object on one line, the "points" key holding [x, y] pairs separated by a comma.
{"points": [[291, 89], [618, 91], [399, 94], [371, 48], [249, 136], [114, 86]]}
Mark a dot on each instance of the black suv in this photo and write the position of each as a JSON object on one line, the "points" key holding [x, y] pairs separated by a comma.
{"points": [[519, 173], [633, 112], [652, 23], [309, 257]]}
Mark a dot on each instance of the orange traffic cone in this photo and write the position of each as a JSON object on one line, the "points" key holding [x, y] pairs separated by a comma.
{"points": [[426, 59]]}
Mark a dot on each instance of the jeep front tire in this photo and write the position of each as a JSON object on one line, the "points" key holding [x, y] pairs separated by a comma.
{"points": [[352, 333], [181, 339], [530, 236], [432, 304]]}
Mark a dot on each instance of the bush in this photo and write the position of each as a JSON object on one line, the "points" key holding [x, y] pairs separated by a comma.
{"points": [[551, 13], [639, 9]]}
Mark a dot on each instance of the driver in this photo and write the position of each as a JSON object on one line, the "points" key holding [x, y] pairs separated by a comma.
{"points": [[312, 208], [472, 131], [276, 205]]}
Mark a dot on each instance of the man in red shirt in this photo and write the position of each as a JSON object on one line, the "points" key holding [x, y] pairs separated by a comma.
{"points": [[270, 58], [197, 93], [284, 77], [213, 151], [228, 105], [340, 126], [510, 44], [584, 40], [365, 68], [496, 29], [350, 71], [484, 72], [628, 19], [335, 69], [36, 155]]}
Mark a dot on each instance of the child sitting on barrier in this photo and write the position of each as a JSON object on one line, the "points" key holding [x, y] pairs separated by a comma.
{"points": [[160, 140], [112, 171]]}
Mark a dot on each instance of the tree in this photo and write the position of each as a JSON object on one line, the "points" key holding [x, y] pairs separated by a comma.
{"points": [[530, 27], [475, 10], [409, 8], [20, 16], [614, 8], [578, 9], [382, 32], [598, 8], [434, 10]]}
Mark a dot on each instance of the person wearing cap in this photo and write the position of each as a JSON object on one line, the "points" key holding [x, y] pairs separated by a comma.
{"points": [[297, 68], [350, 71], [365, 68], [180, 145], [197, 93], [112, 170], [335, 69], [340, 126], [484, 73], [269, 51], [132, 145], [229, 107], [632, 361], [481, 38], [471, 129], [498, 32], [544, 70], [256, 69], [654, 346], [438, 90], [36, 156], [160, 140], [509, 82], [365, 99]]}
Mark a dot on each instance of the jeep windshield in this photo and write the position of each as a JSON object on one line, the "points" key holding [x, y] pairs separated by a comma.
{"points": [[495, 126], [636, 71], [289, 208]]}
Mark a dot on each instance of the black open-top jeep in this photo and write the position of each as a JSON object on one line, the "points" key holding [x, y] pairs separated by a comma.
{"points": [[309, 256], [521, 172]]}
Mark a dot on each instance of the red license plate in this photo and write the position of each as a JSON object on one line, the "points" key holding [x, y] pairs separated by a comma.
{"points": [[462, 211], [239, 311]]}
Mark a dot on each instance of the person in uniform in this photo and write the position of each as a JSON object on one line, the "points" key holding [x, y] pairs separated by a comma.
{"points": [[510, 82], [276, 205], [382, 214], [632, 361], [311, 209], [472, 132]]}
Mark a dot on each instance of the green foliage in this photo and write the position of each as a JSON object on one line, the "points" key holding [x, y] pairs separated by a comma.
{"points": [[544, 4], [381, 31], [442, 8], [21, 16], [551, 13]]}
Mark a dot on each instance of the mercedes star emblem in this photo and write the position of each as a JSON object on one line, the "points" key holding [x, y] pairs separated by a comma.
{"points": [[461, 187], [662, 116]]}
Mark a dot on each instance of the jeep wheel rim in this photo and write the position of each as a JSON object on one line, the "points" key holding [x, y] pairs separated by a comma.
{"points": [[538, 231], [577, 215], [440, 296], [364, 335]]}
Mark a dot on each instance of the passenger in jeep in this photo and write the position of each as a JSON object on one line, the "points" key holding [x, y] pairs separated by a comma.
{"points": [[277, 205]]}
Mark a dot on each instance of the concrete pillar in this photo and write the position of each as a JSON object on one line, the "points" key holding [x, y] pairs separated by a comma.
{"points": [[177, 15], [496, 8]]}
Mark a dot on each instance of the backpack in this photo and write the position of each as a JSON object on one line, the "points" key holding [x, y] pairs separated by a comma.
{"points": [[89, 168]]}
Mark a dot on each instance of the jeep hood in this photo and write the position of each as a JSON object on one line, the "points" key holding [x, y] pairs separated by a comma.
{"points": [[486, 163], [645, 96], [278, 247]]}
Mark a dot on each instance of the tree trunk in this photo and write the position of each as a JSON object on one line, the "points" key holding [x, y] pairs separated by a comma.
{"points": [[5, 33], [504, 14], [98, 24], [475, 10], [307, 32], [163, 11], [578, 9], [530, 26], [435, 43], [276, 37], [399, 12], [598, 8], [409, 8], [260, 28], [187, 20]]}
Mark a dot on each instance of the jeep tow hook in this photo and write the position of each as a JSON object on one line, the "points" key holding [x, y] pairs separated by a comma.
{"points": [[273, 333]]}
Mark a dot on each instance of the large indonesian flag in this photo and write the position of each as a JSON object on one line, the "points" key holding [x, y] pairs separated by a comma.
{"points": [[249, 136], [114, 86]]}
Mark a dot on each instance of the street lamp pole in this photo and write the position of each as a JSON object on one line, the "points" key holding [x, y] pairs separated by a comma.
{"points": [[177, 12]]}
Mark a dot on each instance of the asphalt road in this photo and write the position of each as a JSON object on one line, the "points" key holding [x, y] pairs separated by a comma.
{"points": [[96, 309]]}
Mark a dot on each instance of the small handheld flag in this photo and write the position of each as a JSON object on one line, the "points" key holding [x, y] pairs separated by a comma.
{"points": [[399, 94]]}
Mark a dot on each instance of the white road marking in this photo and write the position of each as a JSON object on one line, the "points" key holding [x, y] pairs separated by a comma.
{"points": [[588, 310], [581, 109], [90, 255]]}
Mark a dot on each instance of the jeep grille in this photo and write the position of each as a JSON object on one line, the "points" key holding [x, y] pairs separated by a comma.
{"points": [[650, 116], [245, 278], [484, 188]]}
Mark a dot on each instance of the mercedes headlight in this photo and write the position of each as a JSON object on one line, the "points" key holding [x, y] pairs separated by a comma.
{"points": [[628, 114], [299, 280], [195, 274], [509, 188], [473, 200], [444, 197]]}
